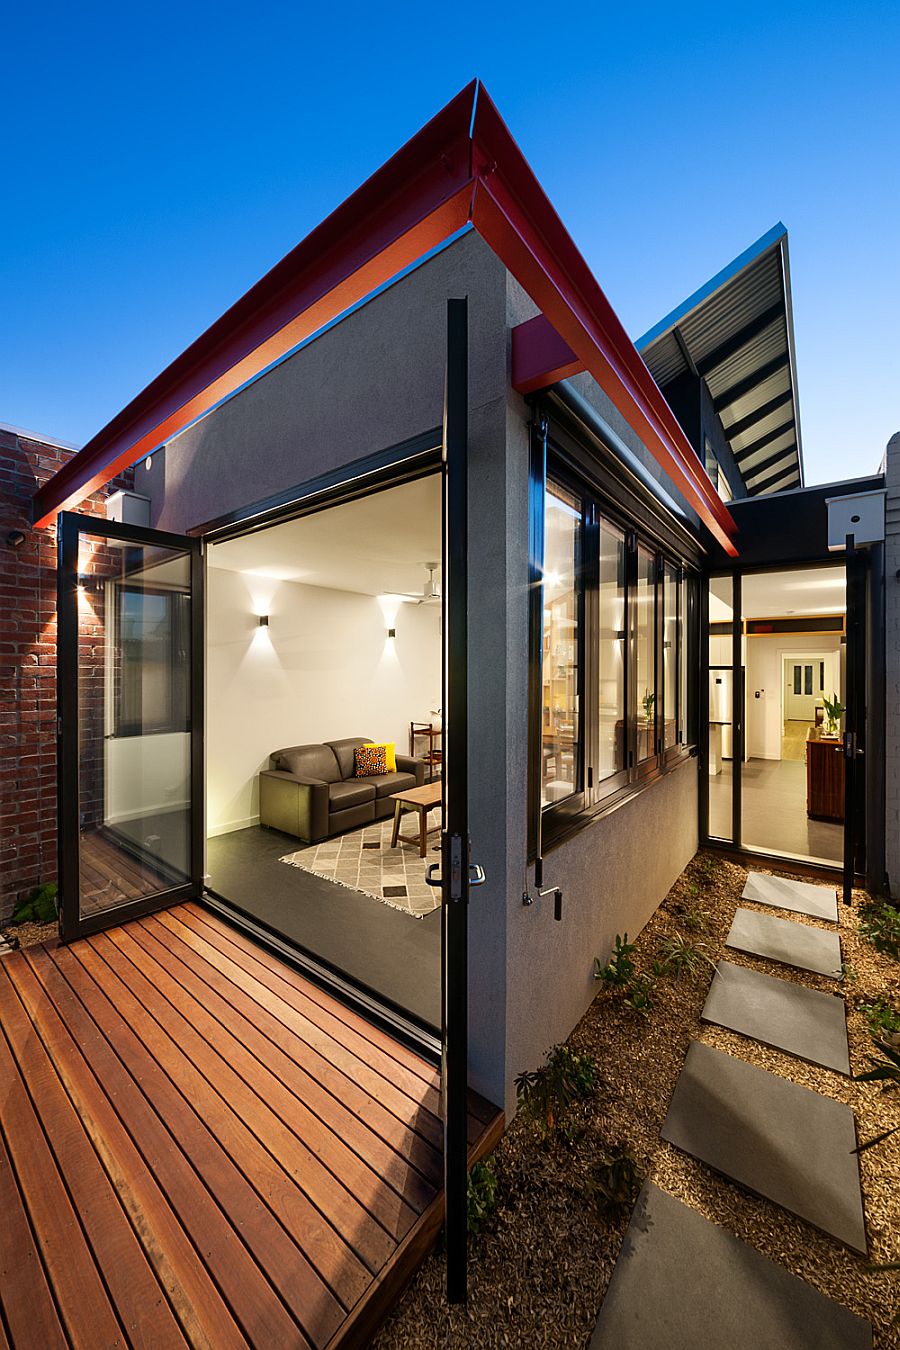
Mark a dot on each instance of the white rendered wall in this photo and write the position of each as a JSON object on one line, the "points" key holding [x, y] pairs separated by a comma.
{"points": [[322, 669]]}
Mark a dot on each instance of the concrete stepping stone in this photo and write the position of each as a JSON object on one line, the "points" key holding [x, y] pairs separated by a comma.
{"points": [[682, 1282], [819, 902], [804, 1022], [793, 944], [781, 1141]]}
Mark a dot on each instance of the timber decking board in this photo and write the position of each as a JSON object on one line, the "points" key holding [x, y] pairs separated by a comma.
{"points": [[199, 1147]]}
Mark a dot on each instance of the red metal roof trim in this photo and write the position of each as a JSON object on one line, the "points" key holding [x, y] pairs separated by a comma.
{"points": [[515, 217], [442, 178], [412, 203]]}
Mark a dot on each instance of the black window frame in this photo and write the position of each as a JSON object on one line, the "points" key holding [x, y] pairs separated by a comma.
{"points": [[600, 796]]}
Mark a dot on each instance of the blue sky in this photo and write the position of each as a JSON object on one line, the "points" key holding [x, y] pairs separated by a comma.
{"points": [[158, 159]]}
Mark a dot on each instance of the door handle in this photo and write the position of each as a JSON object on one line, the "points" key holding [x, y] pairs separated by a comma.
{"points": [[476, 875]]}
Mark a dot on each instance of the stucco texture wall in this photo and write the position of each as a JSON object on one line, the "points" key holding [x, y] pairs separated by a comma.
{"points": [[374, 380]]}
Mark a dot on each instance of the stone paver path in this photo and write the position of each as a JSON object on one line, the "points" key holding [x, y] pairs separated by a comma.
{"points": [[682, 1283], [818, 902]]}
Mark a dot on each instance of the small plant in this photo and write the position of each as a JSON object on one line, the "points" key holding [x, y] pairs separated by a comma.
{"points": [[620, 968], [546, 1093], [883, 1021], [678, 957], [696, 920], [648, 702], [707, 869], [614, 1181], [482, 1194], [639, 994], [834, 711], [880, 924], [848, 971], [886, 1066], [40, 906]]}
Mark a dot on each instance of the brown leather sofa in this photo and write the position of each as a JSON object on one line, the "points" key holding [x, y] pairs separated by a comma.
{"points": [[310, 790]]}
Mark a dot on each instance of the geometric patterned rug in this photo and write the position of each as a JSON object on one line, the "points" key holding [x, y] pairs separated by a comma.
{"points": [[364, 861]]}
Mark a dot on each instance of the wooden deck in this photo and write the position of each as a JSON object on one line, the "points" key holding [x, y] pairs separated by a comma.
{"points": [[201, 1147]]}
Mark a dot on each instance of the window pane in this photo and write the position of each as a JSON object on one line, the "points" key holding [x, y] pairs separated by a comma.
{"points": [[611, 643], [560, 712], [683, 641], [807, 679], [645, 606], [670, 655], [134, 663], [796, 679]]}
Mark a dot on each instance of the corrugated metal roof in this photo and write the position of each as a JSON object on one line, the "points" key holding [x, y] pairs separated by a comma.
{"points": [[737, 333]]}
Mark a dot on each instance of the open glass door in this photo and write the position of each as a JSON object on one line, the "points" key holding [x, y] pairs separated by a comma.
{"points": [[130, 753]]}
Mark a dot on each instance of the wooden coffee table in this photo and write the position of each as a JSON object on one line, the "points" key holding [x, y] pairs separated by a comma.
{"points": [[420, 799]]}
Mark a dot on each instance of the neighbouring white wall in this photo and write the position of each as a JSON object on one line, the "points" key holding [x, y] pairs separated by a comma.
{"points": [[322, 669], [765, 665]]}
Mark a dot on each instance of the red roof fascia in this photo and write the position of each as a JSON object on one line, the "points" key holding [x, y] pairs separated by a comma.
{"points": [[411, 204], [516, 219], [540, 356], [441, 179]]}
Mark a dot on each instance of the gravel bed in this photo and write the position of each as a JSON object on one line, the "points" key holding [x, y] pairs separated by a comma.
{"points": [[540, 1265], [29, 934]]}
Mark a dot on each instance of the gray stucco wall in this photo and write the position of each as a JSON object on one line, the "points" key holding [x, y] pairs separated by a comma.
{"points": [[374, 380], [892, 660]]}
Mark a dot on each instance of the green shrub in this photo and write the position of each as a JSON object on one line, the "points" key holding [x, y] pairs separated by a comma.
{"points": [[885, 1066], [678, 957], [620, 968], [40, 906], [880, 924], [614, 1181], [482, 1194], [882, 1019], [639, 994], [545, 1094]]}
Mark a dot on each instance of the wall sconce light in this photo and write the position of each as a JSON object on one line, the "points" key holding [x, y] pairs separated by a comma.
{"points": [[15, 539], [263, 620], [392, 632]]}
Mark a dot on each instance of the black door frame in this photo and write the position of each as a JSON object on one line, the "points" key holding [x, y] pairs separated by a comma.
{"points": [[71, 527], [856, 629], [455, 843]]}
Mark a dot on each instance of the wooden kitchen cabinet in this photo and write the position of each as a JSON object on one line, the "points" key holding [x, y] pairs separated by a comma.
{"points": [[824, 776]]}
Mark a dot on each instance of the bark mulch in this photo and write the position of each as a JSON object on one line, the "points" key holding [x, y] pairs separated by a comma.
{"points": [[29, 934], [540, 1262]]}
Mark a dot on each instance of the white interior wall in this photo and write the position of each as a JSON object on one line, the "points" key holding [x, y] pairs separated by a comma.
{"points": [[765, 664], [324, 668]]}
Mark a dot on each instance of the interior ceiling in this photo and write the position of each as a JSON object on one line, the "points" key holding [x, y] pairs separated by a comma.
{"points": [[375, 545], [772, 595]]}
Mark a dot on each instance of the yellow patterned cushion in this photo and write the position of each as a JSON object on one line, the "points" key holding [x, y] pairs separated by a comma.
{"points": [[390, 753], [369, 760]]}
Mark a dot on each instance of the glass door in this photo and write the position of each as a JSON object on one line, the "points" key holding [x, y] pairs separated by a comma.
{"points": [[130, 754]]}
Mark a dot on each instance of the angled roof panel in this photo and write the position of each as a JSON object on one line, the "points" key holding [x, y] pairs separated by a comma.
{"points": [[737, 332]]}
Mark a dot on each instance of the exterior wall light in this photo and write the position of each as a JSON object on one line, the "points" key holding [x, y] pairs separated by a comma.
{"points": [[392, 632], [263, 620]]}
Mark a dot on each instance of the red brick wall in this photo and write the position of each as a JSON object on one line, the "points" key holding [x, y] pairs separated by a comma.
{"points": [[28, 668]]}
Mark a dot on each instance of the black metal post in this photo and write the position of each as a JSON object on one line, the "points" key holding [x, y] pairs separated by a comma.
{"points": [[455, 837], [67, 775], [855, 711]]}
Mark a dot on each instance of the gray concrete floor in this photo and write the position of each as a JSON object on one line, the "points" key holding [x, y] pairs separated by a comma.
{"points": [[773, 811]]}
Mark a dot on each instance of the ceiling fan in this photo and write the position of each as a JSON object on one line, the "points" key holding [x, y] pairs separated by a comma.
{"points": [[431, 589]]}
